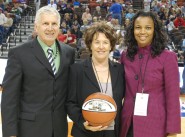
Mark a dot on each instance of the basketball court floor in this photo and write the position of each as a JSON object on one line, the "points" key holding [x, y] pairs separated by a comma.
{"points": [[182, 101]]}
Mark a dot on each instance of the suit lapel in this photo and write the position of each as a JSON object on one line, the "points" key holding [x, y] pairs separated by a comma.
{"points": [[114, 74], [90, 73], [62, 58], [91, 76], [39, 53]]}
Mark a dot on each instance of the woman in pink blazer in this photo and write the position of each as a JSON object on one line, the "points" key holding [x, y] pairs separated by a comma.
{"points": [[151, 105]]}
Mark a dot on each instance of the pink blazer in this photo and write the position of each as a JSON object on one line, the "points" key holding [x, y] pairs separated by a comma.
{"points": [[162, 84]]}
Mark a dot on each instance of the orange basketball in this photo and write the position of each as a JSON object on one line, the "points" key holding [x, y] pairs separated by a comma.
{"points": [[99, 109]]}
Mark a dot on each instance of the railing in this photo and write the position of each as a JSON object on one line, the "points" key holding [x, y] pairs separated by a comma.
{"points": [[18, 30], [5, 45]]}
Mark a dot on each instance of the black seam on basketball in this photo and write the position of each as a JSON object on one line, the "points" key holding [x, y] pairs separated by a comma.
{"points": [[101, 123], [112, 118]]}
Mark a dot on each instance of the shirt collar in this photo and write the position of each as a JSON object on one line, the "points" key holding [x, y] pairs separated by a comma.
{"points": [[144, 50], [45, 47]]}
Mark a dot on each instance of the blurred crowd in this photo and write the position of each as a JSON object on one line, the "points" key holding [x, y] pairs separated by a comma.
{"points": [[77, 16], [10, 16]]}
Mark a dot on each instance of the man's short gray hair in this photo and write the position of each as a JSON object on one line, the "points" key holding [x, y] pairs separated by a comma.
{"points": [[46, 10]]}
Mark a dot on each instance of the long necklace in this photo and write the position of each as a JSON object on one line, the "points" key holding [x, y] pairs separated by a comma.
{"points": [[99, 79]]}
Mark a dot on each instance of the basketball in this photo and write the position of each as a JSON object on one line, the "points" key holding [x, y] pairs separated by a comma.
{"points": [[99, 109]]}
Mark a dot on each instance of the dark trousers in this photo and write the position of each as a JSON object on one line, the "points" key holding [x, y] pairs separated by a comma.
{"points": [[106, 133], [109, 133]]}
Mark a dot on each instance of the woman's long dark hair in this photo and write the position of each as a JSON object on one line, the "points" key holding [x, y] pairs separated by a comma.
{"points": [[159, 39]]}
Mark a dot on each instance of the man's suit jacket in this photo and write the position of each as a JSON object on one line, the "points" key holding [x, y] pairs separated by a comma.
{"points": [[82, 83], [33, 99]]}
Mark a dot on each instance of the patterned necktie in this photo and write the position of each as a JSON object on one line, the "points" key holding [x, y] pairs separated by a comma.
{"points": [[51, 60]]}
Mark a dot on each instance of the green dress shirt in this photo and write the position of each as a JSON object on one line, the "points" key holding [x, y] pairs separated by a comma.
{"points": [[55, 55]]}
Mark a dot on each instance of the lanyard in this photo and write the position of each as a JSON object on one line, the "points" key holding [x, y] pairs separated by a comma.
{"points": [[143, 76], [99, 79]]}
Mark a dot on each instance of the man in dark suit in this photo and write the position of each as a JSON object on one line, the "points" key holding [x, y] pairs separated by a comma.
{"points": [[35, 82]]}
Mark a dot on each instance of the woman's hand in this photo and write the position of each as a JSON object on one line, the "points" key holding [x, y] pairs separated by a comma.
{"points": [[91, 128]]}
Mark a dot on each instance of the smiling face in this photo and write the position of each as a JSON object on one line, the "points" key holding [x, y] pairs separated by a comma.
{"points": [[47, 28], [144, 31], [100, 47]]}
